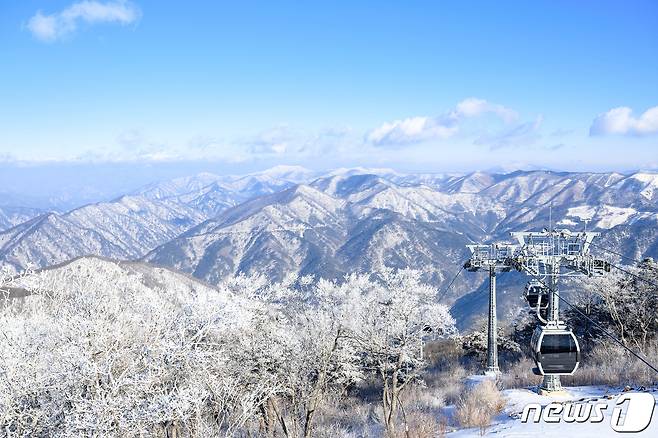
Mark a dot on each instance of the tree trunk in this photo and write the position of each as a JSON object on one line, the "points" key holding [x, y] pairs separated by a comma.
{"points": [[280, 418], [307, 424], [393, 396], [317, 390], [267, 422], [171, 429], [313, 404], [386, 404]]}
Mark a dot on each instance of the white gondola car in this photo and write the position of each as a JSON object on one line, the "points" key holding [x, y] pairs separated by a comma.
{"points": [[556, 350], [536, 293]]}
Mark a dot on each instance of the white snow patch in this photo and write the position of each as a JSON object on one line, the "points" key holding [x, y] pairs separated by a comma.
{"points": [[651, 181], [607, 216], [508, 424], [567, 222], [584, 212], [612, 216]]}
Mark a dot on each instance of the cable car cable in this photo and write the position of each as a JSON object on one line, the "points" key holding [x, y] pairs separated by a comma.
{"points": [[634, 275], [596, 324], [628, 258], [615, 252], [639, 277], [445, 291]]}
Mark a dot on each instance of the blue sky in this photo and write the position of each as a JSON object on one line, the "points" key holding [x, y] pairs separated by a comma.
{"points": [[431, 86]]}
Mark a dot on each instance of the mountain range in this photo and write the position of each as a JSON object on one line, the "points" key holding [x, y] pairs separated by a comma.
{"points": [[290, 220]]}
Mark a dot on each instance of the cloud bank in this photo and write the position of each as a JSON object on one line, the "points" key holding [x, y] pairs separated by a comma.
{"points": [[53, 27], [412, 130], [620, 121], [422, 128]]}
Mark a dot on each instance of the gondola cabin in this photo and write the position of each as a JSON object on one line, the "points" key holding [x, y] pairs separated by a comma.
{"points": [[536, 293], [556, 350]]}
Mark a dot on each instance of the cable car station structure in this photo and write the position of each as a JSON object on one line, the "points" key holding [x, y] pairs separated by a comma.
{"points": [[548, 254]]}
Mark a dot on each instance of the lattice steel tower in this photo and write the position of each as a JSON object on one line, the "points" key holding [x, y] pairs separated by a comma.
{"points": [[550, 254]]}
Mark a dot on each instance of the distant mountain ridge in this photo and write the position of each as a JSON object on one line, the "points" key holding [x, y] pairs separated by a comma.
{"points": [[370, 221], [11, 216], [124, 229], [292, 220]]}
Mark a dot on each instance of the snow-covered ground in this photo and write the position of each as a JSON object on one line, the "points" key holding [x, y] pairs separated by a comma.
{"points": [[508, 423]]}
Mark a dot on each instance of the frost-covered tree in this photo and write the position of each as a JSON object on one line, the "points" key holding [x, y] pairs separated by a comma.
{"points": [[94, 351], [623, 302], [474, 345], [308, 327], [391, 321]]}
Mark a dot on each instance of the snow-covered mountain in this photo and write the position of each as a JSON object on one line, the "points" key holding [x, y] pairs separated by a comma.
{"points": [[179, 186], [289, 219], [125, 228], [130, 226], [350, 222], [11, 216], [305, 230], [283, 232], [212, 194]]}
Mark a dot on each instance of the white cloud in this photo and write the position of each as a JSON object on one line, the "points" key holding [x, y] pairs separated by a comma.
{"points": [[422, 128], [275, 141], [473, 107], [411, 130], [620, 121], [55, 26]]}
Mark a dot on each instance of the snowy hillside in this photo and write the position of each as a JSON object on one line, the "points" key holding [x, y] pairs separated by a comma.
{"points": [[509, 424], [126, 228], [303, 230], [289, 219], [154, 344], [349, 222], [106, 271], [11, 216]]}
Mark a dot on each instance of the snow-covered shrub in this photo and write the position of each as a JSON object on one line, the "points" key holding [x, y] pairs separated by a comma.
{"points": [[97, 351], [609, 364], [445, 374], [519, 374], [347, 416], [355, 328], [479, 405], [304, 338], [422, 424]]}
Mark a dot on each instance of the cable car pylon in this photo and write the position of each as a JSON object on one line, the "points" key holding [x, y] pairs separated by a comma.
{"points": [[488, 257], [540, 254], [492, 326]]}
